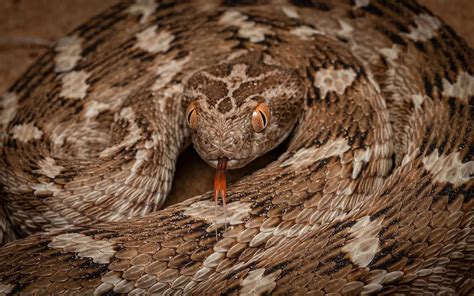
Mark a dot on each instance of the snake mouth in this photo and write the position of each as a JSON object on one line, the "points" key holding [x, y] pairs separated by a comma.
{"points": [[231, 163]]}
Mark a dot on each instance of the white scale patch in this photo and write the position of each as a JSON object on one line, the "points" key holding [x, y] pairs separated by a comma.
{"points": [[364, 243], [5, 289], [238, 73], [68, 51], [100, 251], [167, 71], [74, 85], [51, 188], [426, 27], [256, 283], [418, 100], [132, 136], [152, 42], [334, 80], [449, 168], [26, 132], [110, 98], [290, 12], [48, 167], [59, 138], [268, 59], [145, 8], [361, 3], [247, 29], [345, 31], [206, 210], [390, 53], [361, 157], [154, 141], [462, 89], [305, 32], [94, 108], [308, 156], [8, 107], [236, 54]]}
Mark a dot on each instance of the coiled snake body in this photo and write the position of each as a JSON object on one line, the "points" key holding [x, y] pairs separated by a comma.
{"points": [[373, 194]]}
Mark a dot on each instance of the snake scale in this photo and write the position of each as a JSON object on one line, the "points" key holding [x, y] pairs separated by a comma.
{"points": [[372, 195]]}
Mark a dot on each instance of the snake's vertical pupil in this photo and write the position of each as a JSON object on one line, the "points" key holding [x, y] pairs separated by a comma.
{"points": [[260, 117], [191, 116], [264, 119]]}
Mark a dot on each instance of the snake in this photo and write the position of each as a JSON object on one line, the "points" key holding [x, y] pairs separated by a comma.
{"points": [[373, 193]]}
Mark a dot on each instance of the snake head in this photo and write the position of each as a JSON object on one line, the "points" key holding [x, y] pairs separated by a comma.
{"points": [[241, 110]]}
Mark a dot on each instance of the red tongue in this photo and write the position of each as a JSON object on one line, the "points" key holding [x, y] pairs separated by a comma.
{"points": [[220, 187], [220, 179]]}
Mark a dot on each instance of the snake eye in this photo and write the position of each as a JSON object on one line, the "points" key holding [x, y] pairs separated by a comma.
{"points": [[260, 117], [191, 116]]}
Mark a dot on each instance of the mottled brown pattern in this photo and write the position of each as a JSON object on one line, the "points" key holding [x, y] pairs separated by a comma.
{"points": [[214, 90], [372, 195]]}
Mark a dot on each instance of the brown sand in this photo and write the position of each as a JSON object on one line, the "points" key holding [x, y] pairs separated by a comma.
{"points": [[28, 27]]}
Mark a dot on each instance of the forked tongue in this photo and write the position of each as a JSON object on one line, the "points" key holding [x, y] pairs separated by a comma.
{"points": [[220, 190]]}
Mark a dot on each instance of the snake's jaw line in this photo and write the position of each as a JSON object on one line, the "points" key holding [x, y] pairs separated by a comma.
{"points": [[232, 164]]}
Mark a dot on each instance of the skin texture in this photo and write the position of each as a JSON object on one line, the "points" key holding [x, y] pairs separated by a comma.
{"points": [[51, 19], [373, 193], [225, 97]]}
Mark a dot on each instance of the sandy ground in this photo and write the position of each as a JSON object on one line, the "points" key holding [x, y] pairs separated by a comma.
{"points": [[29, 27]]}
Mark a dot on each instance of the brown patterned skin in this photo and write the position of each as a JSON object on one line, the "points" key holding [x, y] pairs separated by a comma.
{"points": [[373, 195], [225, 96]]}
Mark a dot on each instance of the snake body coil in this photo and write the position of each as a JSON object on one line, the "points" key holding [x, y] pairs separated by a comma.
{"points": [[373, 194]]}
